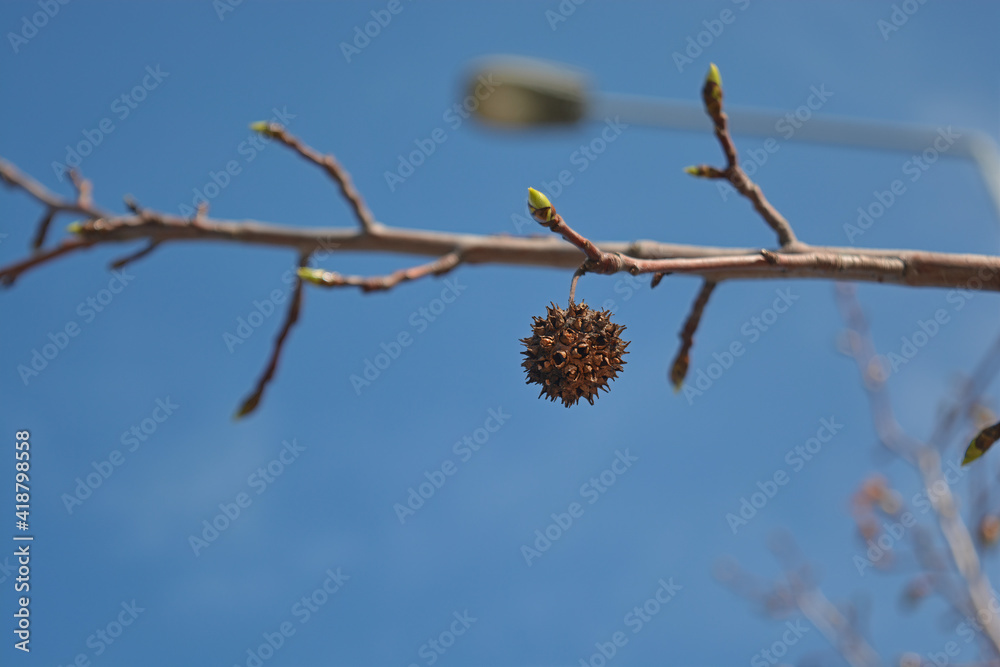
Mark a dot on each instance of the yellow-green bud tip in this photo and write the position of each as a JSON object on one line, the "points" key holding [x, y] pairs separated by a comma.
{"points": [[263, 127], [694, 171], [971, 454], [74, 228], [539, 206], [713, 75], [537, 200], [311, 275]]}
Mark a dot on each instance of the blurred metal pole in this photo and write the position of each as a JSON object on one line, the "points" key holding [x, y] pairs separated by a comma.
{"points": [[536, 93]]}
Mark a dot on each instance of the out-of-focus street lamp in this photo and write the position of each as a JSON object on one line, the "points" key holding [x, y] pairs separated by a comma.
{"points": [[533, 93]]}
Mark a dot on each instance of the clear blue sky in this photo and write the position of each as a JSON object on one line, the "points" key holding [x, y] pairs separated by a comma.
{"points": [[351, 456]]}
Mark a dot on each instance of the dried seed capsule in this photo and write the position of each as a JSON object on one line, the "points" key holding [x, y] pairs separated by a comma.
{"points": [[573, 353]]}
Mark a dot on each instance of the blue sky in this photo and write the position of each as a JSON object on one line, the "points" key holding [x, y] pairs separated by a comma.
{"points": [[317, 471]]}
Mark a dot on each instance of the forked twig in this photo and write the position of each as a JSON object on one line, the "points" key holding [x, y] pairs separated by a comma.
{"points": [[711, 94], [329, 164]]}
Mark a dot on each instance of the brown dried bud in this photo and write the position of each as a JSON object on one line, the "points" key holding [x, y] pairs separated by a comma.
{"points": [[989, 529]]}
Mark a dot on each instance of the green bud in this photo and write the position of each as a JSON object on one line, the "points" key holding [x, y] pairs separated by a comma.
{"points": [[711, 92], [704, 171], [972, 453], [539, 206], [982, 442], [311, 275], [713, 75], [263, 127], [74, 227]]}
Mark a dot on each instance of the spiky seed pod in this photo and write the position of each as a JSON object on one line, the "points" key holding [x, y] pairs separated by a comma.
{"points": [[572, 353]]}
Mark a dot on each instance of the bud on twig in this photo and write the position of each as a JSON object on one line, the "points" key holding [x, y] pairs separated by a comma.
{"points": [[704, 171], [315, 276], [982, 442], [264, 127], [540, 207], [711, 93]]}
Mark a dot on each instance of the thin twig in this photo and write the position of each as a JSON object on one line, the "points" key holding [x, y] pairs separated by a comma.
{"points": [[43, 228], [799, 593], [291, 317], [438, 267], [332, 167], [972, 388], [829, 620], [712, 97], [927, 461], [53, 204], [84, 189], [139, 254], [572, 285], [13, 177], [679, 368], [9, 274]]}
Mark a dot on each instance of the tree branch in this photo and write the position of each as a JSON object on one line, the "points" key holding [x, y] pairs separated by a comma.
{"points": [[679, 369], [711, 94], [793, 259], [329, 164], [914, 268], [927, 461], [291, 317], [438, 267]]}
